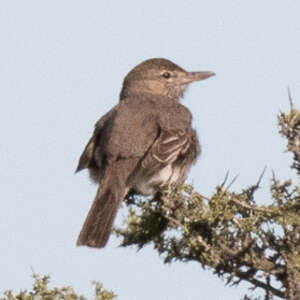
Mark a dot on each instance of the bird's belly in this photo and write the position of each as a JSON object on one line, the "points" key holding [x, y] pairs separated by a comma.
{"points": [[149, 185]]}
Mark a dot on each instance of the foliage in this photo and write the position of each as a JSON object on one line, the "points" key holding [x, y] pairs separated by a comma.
{"points": [[229, 232], [41, 291]]}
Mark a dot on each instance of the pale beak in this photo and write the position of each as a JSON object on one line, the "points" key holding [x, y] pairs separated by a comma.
{"points": [[196, 76]]}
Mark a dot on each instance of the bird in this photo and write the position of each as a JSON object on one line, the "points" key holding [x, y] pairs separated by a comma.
{"points": [[143, 143]]}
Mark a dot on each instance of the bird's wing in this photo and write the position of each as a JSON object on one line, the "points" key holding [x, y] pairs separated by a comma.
{"points": [[87, 157], [167, 147], [125, 131]]}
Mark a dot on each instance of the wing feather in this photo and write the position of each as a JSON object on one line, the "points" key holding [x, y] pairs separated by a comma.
{"points": [[167, 147], [87, 158]]}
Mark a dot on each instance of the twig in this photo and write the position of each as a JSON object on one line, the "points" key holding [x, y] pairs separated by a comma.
{"points": [[232, 182], [290, 98], [225, 179]]}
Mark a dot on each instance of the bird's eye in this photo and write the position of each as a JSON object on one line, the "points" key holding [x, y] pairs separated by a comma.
{"points": [[166, 75]]}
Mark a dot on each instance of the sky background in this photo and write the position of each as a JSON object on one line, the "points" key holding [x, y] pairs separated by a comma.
{"points": [[61, 68]]}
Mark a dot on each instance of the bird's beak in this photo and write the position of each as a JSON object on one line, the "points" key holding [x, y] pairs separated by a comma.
{"points": [[196, 76]]}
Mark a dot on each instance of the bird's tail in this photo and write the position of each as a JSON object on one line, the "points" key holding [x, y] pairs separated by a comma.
{"points": [[98, 224]]}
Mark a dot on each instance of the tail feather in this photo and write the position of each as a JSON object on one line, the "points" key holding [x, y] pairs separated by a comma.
{"points": [[98, 224]]}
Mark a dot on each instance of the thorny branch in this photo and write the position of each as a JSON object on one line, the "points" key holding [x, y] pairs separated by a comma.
{"points": [[229, 232]]}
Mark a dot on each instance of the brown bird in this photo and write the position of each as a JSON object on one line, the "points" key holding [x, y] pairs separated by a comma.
{"points": [[141, 144]]}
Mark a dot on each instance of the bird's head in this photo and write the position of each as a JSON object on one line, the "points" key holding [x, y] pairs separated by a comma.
{"points": [[160, 76]]}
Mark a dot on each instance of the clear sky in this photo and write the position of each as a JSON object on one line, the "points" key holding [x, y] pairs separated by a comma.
{"points": [[61, 68]]}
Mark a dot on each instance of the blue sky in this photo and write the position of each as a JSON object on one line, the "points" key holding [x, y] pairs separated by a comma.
{"points": [[61, 68]]}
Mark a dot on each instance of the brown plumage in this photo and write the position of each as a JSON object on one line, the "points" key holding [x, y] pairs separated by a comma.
{"points": [[142, 143]]}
